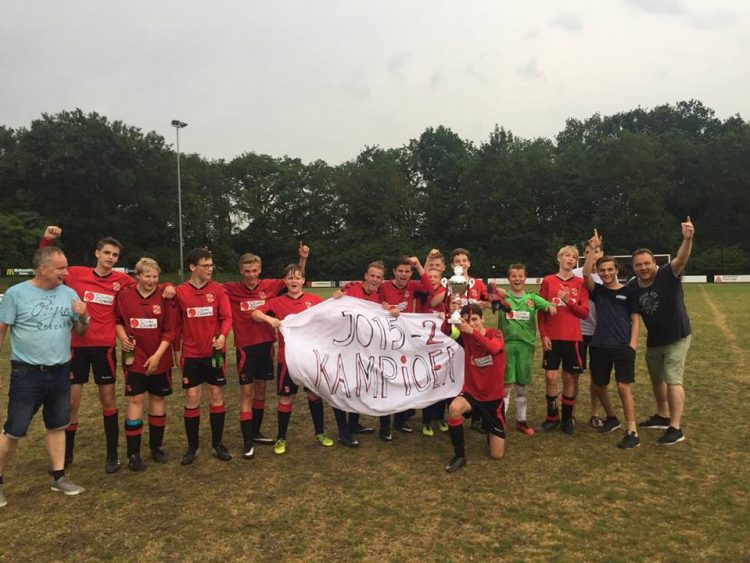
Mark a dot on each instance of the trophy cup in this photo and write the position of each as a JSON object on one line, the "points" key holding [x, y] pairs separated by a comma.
{"points": [[456, 286]]}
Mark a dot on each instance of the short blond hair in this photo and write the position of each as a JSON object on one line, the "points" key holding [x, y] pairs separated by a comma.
{"points": [[568, 249], [249, 258], [144, 263]]}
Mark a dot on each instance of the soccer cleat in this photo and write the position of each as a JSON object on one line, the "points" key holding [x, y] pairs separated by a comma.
{"points": [[671, 436], [656, 421], [112, 465], [135, 463], [405, 428], [324, 440], [568, 426], [189, 457], [348, 442], [65, 485], [443, 425], [3, 502], [548, 425], [631, 440], [595, 421], [220, 451], [279, 447], [359, 429], [385, 436], [427, 430], [248, 452], [611, 423], [158, 455], [456, 463], [524, 428], [261, 439]]}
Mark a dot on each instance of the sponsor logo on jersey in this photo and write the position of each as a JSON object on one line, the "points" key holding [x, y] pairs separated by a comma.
{"points": [[482, 362], [530, 303], [156, 309], [401, 306], [308, 304], [116, 286], [518, 315], [98, 298], [193, 312], [558, 302], [262, 294], [251, 305], [621, 297], [209, 297], [144, 323]]}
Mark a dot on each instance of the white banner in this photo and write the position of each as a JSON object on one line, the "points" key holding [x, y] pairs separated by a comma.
{"points": [[361, 359]]}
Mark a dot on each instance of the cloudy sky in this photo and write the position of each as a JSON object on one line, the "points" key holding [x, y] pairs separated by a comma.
{"points": [[323, 78]]}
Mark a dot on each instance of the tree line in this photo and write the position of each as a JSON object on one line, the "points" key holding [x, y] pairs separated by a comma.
{"points": [[633, 175]]}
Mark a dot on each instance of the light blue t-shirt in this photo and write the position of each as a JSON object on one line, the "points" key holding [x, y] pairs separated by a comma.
{"points": [[40, 322]]}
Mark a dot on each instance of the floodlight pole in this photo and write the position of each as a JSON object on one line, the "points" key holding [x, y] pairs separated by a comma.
{"points": [[177, 124]]}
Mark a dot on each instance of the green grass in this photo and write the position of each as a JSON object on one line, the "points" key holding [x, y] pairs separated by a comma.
{"points": [[551, 498]]}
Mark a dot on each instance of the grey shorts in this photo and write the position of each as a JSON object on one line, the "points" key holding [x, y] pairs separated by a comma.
{"points": [[666, 364]]}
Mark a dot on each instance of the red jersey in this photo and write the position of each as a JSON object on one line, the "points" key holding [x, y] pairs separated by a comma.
{"points": [[100, 294], [424, 299], [283, 306], [202, 313], [150, 320], [484, 364], [404, 298], [566, 324], [357, 289], [244, 301]]}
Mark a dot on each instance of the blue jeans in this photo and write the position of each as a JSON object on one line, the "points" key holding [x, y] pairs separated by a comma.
{"points": [[32, 387]]}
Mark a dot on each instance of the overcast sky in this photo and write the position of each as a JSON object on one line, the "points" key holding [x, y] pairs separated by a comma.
{"points": [[323, 78]]}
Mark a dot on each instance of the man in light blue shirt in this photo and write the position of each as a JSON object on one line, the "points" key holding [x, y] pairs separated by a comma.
{"points": [[40, 314]]}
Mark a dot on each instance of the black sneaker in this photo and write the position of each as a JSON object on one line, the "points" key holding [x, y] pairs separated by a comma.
{"points": [[548, 425], [189, 457], [158, 455], [221, 452], [248, 452], [261, 439], [611, 423], [568, 426], [656, 421], [456, 463], [359, 429], [671, 436], [631, 440], [385, 436], [135, 463], [112, 465], [348, 442], [405, 428]]}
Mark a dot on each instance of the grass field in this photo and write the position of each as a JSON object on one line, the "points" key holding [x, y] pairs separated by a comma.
{"points": [[552, 498]]}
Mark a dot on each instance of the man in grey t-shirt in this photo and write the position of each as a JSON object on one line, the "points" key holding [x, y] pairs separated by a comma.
{"points": [[40, 314]]}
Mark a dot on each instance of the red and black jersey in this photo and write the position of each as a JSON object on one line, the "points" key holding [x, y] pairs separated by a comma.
{"points": [[283, 306], [100, 295], [150, 320], [357, 289], [484, 364], [566, 324], [202, 313], [404, 298], [244, 301]]}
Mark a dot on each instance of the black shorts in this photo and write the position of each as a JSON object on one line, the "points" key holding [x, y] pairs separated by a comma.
{"points": [[585, 349], [255, 362], [604, 359], [492, 412], [159, 384], [196, 371], [568, 351], [285, 386], [99, 359]]}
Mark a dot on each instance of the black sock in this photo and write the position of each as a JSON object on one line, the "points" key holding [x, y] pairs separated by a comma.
{"points": [[217, 414], [341, 422], [316, 411], [56, 475], [353, 421], [385, 424], [133, 432], [456, 432], [246, 427], [156, 424], [259, 407], [192, 426], [567, 407], [111, 431], [284, 413], [552, 411]]}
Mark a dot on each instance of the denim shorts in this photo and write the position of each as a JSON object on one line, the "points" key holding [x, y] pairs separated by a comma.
{"points": [[32, 387]]}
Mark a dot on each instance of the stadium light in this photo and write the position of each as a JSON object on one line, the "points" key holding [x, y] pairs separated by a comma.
{"points": [[177, 124]]}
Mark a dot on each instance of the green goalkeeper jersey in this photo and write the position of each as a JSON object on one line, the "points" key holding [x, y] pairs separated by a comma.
{"points": [[519, 323]]}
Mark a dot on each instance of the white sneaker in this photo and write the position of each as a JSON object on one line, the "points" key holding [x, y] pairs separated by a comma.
{"points": [[65, 485], [3, 502]]}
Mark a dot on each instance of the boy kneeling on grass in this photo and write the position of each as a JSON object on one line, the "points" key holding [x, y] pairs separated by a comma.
{"points": [[483, 390]]}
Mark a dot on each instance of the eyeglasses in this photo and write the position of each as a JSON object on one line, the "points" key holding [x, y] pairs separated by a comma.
{"points": [[205, 266]]}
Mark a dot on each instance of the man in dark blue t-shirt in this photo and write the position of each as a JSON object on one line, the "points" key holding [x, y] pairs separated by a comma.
{"points": [[614, 341], [662, 306]]}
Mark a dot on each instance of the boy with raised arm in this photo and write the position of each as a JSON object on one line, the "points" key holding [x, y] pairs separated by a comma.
{"points": [[615, 340]]}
